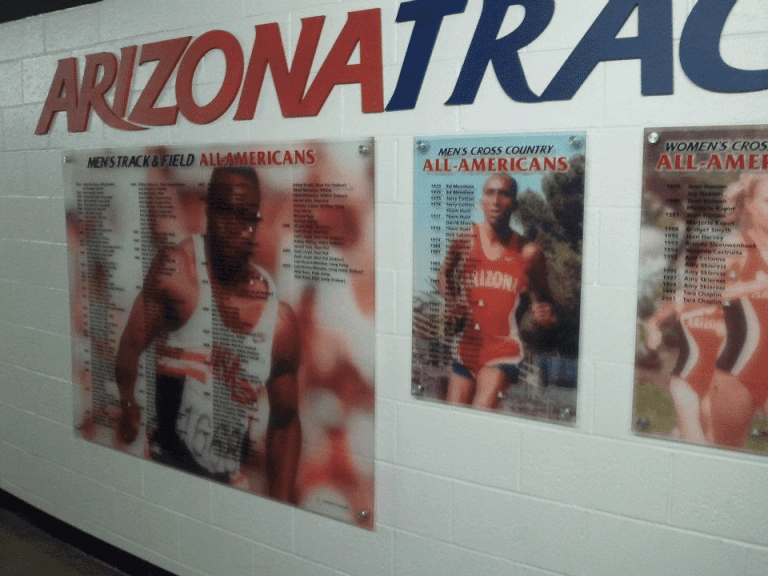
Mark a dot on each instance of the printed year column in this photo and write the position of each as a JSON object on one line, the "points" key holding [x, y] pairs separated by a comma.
{"points": [[436, 227], [436, 238], [671, 250]]}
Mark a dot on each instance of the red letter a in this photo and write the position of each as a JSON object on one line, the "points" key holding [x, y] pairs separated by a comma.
{"points": [[62, 97], [364, 28], [268, 51]]}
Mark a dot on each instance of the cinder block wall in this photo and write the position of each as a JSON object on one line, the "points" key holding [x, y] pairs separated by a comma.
{"points": [[458, 492]]}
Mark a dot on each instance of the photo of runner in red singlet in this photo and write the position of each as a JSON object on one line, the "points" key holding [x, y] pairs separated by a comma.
{"points": [[486, 271], [740, 385], [701, 349]]}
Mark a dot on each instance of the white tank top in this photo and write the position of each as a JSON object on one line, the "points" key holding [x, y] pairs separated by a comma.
{"points": [[224, 404]]}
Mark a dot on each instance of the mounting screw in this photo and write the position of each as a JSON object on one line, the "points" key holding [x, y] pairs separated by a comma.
{"points": [[363, 515], [417, 389], [653, 137], [641, 424], [422, 147], [755, 432], [566, 413], [575, 143], [364, 149], [66, 159]]}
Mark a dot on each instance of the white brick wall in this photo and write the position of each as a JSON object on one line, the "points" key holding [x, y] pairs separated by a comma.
{"points": [[458, 492]]}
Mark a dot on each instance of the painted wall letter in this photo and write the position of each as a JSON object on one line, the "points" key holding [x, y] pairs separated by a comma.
{"points": [[485, 48], [652, 45], [700, 52], [427, 16]]}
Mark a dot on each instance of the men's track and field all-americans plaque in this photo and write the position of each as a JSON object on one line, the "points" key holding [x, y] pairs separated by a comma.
{"points": [[498, 226], [222, 302]]}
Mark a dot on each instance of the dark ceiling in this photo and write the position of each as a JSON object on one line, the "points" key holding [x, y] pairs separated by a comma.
{"points": [[16, 10]]}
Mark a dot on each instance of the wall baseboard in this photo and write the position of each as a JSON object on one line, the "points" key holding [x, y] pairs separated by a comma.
{"points": [[90, 545]]}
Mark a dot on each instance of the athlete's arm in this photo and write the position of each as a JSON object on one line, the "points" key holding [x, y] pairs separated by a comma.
{"points": [[445, 281], [449, 278], [284, 428], [666, 310], [156, 310], [734, 286], [538, 285]]}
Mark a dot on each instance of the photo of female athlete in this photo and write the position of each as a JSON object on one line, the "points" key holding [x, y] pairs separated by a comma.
{"points": [[701, 352], [740, 386], [703, 329]]}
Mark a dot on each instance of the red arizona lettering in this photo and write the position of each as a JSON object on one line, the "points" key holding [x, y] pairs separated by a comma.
{"points": [[167, 54]]}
